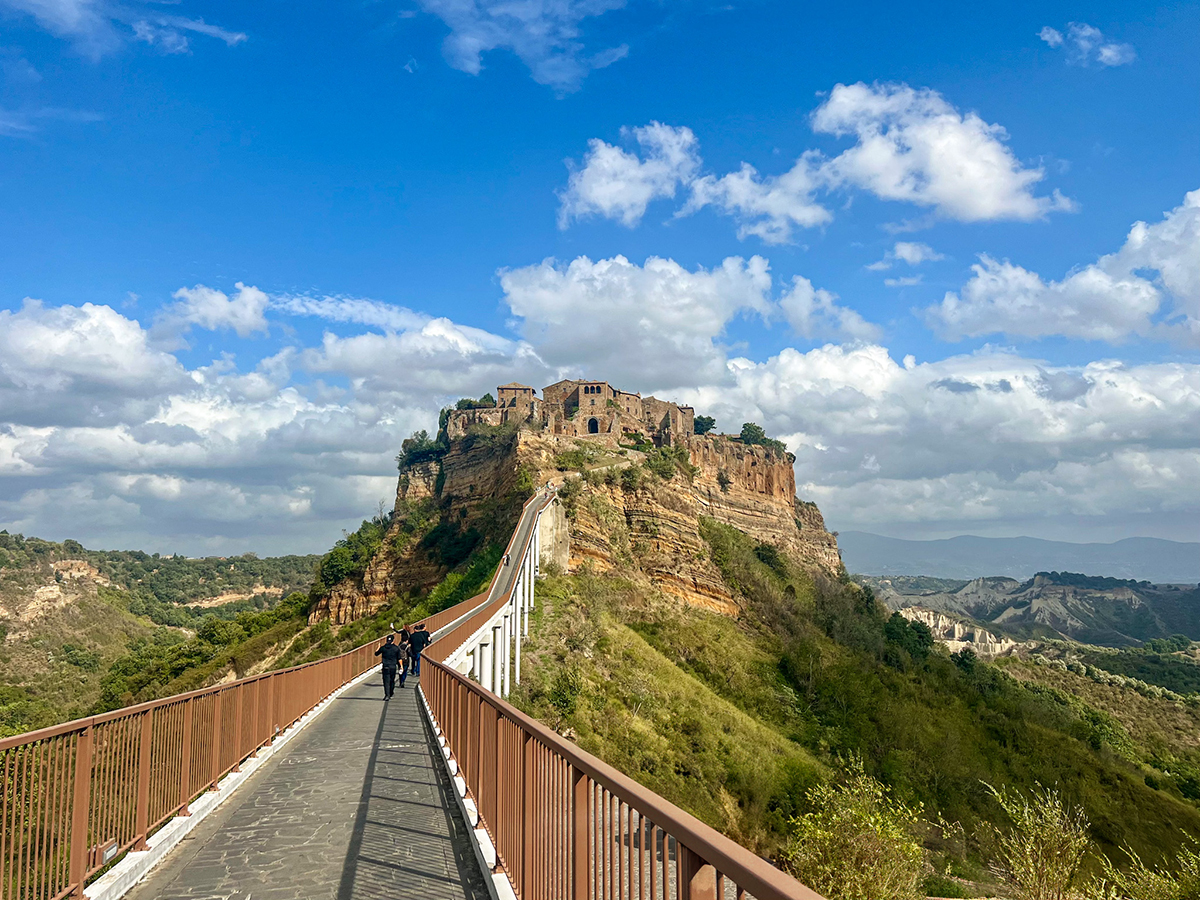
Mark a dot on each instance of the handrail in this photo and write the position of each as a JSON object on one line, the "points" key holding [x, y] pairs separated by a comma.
{"points": [[617, 832], [74, 796], [563, 823], [77, 795]]}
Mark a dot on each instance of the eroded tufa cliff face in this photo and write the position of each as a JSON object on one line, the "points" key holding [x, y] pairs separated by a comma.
{"points": [[759, 498], [652, 528], [958, 635], [475, 485]]}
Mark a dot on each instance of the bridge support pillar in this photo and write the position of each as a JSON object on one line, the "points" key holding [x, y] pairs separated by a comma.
{"points": [[485, 669], [520, 613], [507, 627], [497, 651]]}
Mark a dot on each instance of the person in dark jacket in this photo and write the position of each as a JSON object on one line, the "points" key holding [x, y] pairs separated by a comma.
{"points": [[406, 643], [417, 643], [392, 654]]}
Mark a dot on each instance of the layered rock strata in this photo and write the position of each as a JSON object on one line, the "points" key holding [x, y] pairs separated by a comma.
{"points": [[653, 529]]}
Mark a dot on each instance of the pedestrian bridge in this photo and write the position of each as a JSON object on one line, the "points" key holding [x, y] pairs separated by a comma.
{"points": [[304, 783]]}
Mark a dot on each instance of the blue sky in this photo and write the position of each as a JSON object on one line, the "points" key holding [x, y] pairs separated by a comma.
{"points": [[248, 248]]}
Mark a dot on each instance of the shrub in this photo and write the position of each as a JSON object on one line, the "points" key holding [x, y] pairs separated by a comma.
{"points": [[631, 478], [753, 434], [723, 481], [1140, 882], [564, 692], [420, 447], [80, 657], [1042, 853], [856, 843]]}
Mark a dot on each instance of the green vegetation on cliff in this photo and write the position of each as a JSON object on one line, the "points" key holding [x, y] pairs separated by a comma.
{"points": [[821, 672]]}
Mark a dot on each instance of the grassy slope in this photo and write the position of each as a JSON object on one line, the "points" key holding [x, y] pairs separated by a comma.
{"points": [[588, 673], [41, 684], [1165, 734], [816, 675]]}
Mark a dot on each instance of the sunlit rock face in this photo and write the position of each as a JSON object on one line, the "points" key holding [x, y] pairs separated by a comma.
{"points": [[650, 529]]}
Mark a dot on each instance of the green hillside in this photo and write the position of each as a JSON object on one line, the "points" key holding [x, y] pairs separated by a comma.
{"points": [[69, 614], [733, 720]]}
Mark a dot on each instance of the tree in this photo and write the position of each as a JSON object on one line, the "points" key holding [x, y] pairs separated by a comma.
{"points": [[753, 434], [704, 424], [723, 481], [419, 448]]}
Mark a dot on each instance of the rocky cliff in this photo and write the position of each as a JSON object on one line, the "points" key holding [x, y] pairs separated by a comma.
{"points": [[471, 494], [958, 635], [648, 525]]}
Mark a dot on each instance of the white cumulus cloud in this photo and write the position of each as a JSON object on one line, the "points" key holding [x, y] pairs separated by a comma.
{"points": [[1150, 287], [656, 323], [768, 207], [914, 146], [544, 34], [911, 146], [912, 252], [215, 310], [620, 185], [815, 313]]}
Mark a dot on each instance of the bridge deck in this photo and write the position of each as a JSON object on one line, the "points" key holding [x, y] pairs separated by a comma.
{"points": [[355, 806]]}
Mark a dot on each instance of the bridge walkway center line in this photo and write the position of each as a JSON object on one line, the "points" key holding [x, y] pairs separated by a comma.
{"points": [[357, 807]]}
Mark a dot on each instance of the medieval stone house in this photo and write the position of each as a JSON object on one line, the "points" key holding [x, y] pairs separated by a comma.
{"points": [[583, 408]]}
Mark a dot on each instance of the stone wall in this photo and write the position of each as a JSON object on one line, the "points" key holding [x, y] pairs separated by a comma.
{"points": [[554, 537]]}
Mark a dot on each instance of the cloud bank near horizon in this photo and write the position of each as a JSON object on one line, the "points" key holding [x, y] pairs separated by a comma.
{"points": [[110, 438]]}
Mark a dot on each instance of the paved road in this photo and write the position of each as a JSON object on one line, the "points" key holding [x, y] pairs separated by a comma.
{"points": [[355, 807]]}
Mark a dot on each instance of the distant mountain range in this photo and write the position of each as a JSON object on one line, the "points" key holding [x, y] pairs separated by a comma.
{"points": [[968, 557]]}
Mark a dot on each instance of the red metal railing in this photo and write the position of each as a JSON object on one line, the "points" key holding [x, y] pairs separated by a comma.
{"points": [[563, 823], [77, 795], [566, 825]]}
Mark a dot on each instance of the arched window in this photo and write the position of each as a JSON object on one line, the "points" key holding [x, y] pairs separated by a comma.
{"points": [[593, 426]]}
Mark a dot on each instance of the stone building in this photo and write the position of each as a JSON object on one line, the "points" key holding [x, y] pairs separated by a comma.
{"points": [[583, 408]]}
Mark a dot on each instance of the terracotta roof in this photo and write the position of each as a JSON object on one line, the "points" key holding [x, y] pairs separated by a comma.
{"points": [[516, 384]]}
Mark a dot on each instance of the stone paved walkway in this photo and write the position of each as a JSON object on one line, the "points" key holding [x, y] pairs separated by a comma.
{"points": [[356, 806]]}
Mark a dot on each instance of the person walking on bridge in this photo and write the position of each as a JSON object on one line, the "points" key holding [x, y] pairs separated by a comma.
{"points": [[393, 654], [417, 643]]}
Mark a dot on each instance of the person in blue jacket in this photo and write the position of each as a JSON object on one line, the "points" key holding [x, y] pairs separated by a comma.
{"points": [[419, 640]]}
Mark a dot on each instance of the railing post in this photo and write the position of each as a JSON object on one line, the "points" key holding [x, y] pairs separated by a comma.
{"points": [[216, 740], [79, 812], [270, 680], [697, 881], [141, 823], [579, 835], [237, 729], [185, 764], [528, 837]]}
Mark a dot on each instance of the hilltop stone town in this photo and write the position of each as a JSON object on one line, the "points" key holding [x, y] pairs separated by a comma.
{"points": [[574, 408]]}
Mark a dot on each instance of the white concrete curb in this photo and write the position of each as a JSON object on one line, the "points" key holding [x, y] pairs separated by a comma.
{"points": [[137, 864], [498, 885]]}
